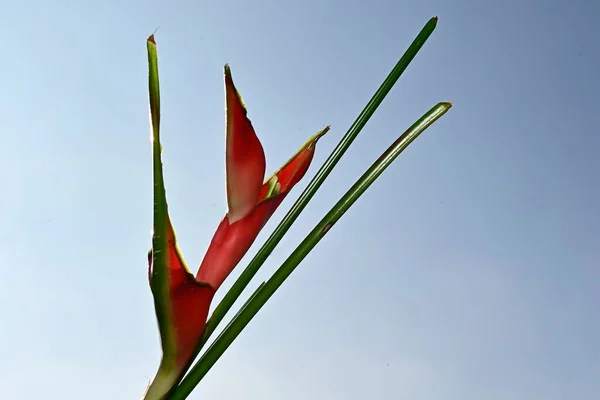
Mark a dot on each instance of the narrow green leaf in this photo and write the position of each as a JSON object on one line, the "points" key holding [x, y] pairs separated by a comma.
{"points": [[159, 234], [159, 279], [251, 308], [258, 260]]}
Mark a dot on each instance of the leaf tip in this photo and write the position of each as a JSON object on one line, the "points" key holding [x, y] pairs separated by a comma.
{"points": [[433, 22], [151, 37]]}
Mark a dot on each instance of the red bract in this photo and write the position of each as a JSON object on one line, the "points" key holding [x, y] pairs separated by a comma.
{"points": [[182, 301], [251, 201]]}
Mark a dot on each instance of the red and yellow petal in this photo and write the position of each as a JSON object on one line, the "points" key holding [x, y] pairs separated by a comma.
{"points": [[182, 304], [244, 156], [190, 301], [231, 241], [294, 169]]}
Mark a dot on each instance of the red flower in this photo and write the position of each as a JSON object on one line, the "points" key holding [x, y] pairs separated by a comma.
{"points": [[182, 301], [251, 201]]}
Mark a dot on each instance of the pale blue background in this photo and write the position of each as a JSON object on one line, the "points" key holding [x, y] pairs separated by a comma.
{"points": [[470, 270]]}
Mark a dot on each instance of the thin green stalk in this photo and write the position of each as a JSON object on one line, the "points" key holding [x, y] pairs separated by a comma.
{"points": [[240, 284], [251, 308]]}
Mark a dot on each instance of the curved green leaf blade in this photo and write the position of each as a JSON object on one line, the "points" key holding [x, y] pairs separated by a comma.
{"points": [[262, 295]]}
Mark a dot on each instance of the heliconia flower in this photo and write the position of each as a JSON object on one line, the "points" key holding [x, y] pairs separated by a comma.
{"points": [[181, 300], [251, 201]]}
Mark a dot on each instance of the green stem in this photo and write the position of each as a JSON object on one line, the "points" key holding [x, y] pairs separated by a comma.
{"points": [[261, 296], [233, 294]]}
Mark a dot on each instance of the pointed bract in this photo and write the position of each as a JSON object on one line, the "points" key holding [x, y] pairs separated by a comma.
{"points": [[231, 241], [190, 301], [244, 156], [294, 169], [185, 310]]}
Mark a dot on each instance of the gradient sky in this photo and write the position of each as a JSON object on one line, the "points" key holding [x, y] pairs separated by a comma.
{"points": [[467, 271]]}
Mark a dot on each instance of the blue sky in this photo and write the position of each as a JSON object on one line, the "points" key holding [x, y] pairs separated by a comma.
{"points": [[469, 270]]}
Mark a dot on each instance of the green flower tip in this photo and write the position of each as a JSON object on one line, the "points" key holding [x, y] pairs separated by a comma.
{"points": [[313, 140]]}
